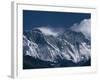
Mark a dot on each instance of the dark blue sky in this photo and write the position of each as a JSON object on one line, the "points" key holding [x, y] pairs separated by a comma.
{"points": [[33, 19]]}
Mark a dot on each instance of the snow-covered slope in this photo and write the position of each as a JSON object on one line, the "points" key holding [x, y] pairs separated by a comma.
{"points": [[69, 46]]}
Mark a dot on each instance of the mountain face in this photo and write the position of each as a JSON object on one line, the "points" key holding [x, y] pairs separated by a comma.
{"points": [[44, 51]]}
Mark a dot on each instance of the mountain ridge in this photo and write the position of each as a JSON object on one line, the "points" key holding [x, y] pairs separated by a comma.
{"points": [[69, 46]]}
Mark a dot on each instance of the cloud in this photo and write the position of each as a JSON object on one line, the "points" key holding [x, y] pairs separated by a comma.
{"points": [[84, 26], [48, 31]]}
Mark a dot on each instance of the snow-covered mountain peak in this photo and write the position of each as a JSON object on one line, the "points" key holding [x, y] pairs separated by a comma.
{"points": [[69, 46]]}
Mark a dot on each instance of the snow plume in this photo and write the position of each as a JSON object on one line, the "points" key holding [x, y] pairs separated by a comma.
{"points": [[48, 31], [84, 26]]}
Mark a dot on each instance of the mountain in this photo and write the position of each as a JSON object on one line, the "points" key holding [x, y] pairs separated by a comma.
{"points": [[44, 51]]}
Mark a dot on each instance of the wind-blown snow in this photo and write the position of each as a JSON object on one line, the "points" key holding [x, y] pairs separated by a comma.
{"points": [[48, 31], [84, 26]]}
